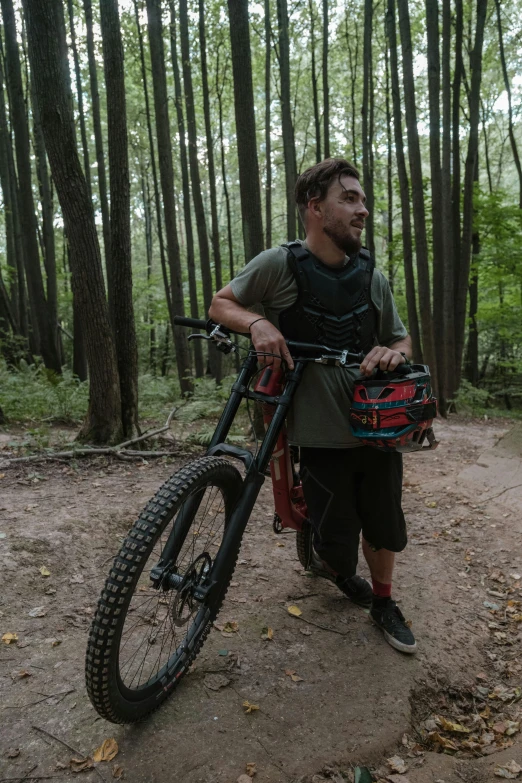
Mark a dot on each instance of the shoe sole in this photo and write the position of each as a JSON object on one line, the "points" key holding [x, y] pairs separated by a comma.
{"points": [[326, 575], [409, 649]]}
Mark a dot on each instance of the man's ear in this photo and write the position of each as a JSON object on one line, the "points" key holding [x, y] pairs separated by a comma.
{"points": [[315, 208]]}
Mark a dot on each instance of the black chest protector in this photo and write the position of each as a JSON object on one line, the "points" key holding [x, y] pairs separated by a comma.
{"points": [[333, 305]]}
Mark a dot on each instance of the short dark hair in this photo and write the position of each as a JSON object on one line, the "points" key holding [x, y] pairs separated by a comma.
{"points": [[315, 181]]}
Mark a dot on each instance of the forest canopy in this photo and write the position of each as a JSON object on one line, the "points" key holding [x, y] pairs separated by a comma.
{"points": [[149, 149]]}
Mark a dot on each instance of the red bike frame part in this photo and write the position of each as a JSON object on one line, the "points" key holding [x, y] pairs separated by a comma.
{"points": [[289, 500]]}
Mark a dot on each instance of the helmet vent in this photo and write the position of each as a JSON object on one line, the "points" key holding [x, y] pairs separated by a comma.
{"points": [[385, 393]]}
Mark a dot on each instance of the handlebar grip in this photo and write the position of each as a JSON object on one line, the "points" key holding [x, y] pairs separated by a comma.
{"points": [[194, 323]]}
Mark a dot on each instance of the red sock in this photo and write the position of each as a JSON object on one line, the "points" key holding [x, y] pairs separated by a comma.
{"points": [[381, 590]]}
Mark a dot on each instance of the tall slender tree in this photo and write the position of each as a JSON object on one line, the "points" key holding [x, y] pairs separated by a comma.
{"points": [[79, 96], [286, 116], [48, 55], [159, 81], [120, 272], [268, 126], [245, 128], [44, 331], [326, 86], [366, 111], [315, 98], [447, 217]]}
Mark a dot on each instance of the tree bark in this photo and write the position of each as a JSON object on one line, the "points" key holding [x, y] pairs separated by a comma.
{"points": [[219, 92], [507, 85], [448, 317], [455, 168], [149, 316], [9, 206], [79, 94], [189, 234], [42, 327], [268, 126], [286, 118], [353, 58], [121, 307], [367, 140], [159, 81], [245, 128], [315, 97], [432, 29], [469, 173], [419, 220], [48, 54], [389, 174], [411, 298], [98, 137], [326, 94]]}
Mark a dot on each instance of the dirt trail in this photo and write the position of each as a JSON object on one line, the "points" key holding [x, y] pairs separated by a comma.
{"points": [[357, 697]]}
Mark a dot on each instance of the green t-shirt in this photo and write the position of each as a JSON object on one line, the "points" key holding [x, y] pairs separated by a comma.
{"points": [[319, 416]]}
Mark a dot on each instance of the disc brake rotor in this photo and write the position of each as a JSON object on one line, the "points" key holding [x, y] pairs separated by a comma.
{"points": [[185, 605]]}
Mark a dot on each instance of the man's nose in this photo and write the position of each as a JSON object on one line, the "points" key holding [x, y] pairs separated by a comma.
{"points": [[362, 210]]}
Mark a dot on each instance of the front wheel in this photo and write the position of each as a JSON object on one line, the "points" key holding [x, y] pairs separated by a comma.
{"points": [[304, 544], [154, 613]]}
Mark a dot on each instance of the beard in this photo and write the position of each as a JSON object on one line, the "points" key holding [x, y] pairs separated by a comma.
{"points": [[340, 235]]}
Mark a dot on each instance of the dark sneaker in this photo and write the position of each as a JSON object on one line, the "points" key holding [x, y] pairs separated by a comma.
{"points": [[391, 621], [357, 589]]}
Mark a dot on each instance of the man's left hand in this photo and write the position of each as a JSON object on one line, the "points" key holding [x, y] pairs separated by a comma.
{"points": [[382, 357]]}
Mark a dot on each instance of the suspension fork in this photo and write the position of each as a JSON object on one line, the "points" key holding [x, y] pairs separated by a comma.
{"points": [[253, 482]]}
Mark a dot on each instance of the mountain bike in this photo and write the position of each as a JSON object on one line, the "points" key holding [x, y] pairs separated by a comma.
{"points": [[169, 579]]}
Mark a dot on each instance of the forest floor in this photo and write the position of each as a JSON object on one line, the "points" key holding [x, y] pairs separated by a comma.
{"points": [[449, 714]]}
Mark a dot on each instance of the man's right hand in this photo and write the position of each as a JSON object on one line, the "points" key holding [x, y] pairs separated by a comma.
{"points": [[267, 339]]}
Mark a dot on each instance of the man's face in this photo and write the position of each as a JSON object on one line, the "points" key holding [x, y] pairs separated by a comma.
{"points": [[344, 213]]}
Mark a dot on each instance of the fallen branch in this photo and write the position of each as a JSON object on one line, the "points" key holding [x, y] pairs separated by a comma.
{"points": [[318, 625], [120, 450], [69, 747], [63, 694]]}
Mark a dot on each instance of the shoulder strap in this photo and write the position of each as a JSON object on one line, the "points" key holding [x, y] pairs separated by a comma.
{"points": [[295, 253]]}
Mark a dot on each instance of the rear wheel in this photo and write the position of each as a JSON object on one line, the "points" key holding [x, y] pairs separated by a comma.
{"points": [[153, 614], [304, 544]]}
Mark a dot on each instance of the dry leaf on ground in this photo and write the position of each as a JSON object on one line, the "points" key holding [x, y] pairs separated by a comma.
{"points": [[38, 611], [294, 611], [230, 627], [250, 707], [23, 673], [79, 765], [293, 676], [117, 772], [509, 771], [107, 750], [9, 638], [397, 764], [448, 725], [267, 633], [251, 769], [45, 571], [12, 753]]}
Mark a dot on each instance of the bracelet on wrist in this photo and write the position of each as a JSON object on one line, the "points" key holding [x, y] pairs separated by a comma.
{"points": [[256, 320]]}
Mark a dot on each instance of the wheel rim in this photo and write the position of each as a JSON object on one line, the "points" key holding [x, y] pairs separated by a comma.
{"points": [[159, 619]]}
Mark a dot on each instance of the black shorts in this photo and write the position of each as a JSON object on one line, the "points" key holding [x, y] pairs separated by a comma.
{"points": [[349, 490]]}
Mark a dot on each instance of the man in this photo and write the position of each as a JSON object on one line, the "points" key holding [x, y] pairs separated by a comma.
{"points": [[326, 290]]}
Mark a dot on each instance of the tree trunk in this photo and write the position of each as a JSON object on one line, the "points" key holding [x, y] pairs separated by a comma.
{"points": [[121, 307], [46, 199], [326, 95], [189, 234], [245, 128], [507, 85], [411, 298], [149, 317], [455, 168], [48, 54], [197, 197], [157, 201], [219, 92], [389, 174], [268, 126], [42, 327], [159, 81], [79, 93], [472, 357], [98, 137], [367, 139], [432, 28], [419, 221], [9, 206], [469, 173], [286, 118], [448, 296], [315, 98], [352, 32]]}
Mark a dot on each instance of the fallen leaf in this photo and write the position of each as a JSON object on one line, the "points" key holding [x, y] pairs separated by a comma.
{"points": [[250, 707], [447, 744], [294, 611], [9, 638], [12, 753], [76, 579], [231, 627], [267, 634], [251, 769], [430, 503], [38, 611], [293, 676], [79, 765], [448, 725], [107, 750], [306, 631], [216, 681], [505, 772], [45, 571], [55, 642], [512, 727], [23, 673], [397, 764], [117, 772]]}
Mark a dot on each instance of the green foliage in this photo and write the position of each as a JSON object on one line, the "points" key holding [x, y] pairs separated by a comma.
{"points": [[469, 399], [31, 392], [208, 399]]}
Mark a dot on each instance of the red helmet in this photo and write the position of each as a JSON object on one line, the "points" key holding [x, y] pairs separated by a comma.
{"points": [[394, 411]]}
